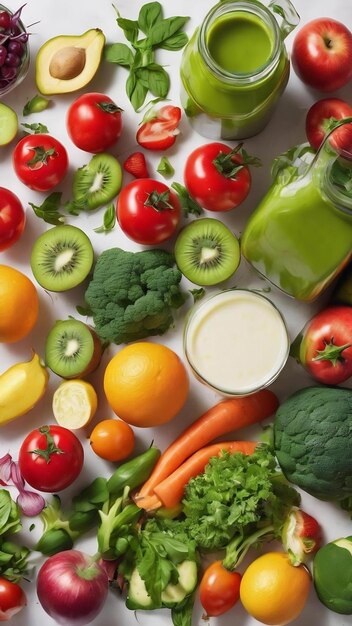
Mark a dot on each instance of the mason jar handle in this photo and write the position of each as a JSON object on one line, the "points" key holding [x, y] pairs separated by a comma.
{"points": [[286, 10]]}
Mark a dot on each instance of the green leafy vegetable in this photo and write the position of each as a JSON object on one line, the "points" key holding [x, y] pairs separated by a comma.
{"points": [[36, 105], [109, 220], [341, 176], [144, 73], [49, 209], [165, 168], [189, 205], [9, 514], [13, 558], [132, 294], [197, 294], [36, 129]]}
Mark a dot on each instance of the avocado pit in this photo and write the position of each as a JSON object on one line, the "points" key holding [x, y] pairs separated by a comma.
{"points": [[67, 63]]}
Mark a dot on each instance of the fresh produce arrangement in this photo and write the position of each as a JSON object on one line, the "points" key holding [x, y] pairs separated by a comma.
{"points": [[176, 431]]}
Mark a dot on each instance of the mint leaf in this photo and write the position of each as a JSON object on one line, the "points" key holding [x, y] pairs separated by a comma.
{"points": [[109, 220], [49, 209]]}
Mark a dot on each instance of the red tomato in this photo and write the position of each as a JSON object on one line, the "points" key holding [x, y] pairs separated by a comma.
{"points": [[318, 122], [148, 211], [50, 458], [12, 599], [219, 589], [159, 132], [94, 122], [322, 54], [326, 345], [40, 162], [218, 182], [12, 218]]}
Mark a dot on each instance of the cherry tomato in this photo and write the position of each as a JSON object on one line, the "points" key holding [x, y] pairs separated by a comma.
{"points": [[216, 176], [159, 131], [12, 218], [50, 458], [12, 599], [219, 589], [112, 440], [94, 122], [325, 348], [148, 211], [40, 162], [318, 122]]}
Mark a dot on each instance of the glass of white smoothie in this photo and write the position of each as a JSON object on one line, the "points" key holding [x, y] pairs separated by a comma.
{"points": [[236, 342]]}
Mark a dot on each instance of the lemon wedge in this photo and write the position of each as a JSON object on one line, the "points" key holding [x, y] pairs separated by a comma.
{"points": [[74, 403]]}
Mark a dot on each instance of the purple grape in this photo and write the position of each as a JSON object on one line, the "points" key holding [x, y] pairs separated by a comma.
{"points": [[3, 55], [15, 47], [9, 73], [12, 60], [3, 84], [5, 20]]}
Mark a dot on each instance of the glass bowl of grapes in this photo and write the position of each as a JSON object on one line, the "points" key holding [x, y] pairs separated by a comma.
{"points": [[14, 49]]}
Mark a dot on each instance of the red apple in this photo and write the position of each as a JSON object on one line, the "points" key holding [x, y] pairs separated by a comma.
{"points": [[322, 54], [318, 123]]}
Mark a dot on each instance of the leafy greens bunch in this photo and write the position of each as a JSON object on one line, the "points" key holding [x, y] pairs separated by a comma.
{"points": [[13, 558], [139, 57]]}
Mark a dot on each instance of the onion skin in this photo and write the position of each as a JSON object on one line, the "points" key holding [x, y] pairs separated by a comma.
{"points": [[72, 588]]}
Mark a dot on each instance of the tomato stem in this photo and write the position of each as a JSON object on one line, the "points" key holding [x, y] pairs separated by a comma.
{"points": [[40, 156], [50, 449], [332, 352], [228, 166]]}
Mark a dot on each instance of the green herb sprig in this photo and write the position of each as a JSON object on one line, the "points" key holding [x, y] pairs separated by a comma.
{"points": [[139, 57]]}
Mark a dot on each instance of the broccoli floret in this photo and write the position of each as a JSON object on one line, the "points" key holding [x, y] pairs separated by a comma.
{"points": [[132, 294]]}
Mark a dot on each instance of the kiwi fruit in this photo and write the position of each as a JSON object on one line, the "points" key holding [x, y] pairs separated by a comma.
{"points": [[61, 258], [96, 183], [207, 252], [72, 349]]}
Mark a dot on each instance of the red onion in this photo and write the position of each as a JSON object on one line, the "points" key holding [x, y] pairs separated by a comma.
{"points": [[72, 587]]}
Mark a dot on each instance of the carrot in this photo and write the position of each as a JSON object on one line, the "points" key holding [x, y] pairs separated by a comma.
{"points": [[224, 417], [171, 490]]}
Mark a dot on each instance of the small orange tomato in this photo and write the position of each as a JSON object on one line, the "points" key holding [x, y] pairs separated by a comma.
{"points": [[112, 440]]}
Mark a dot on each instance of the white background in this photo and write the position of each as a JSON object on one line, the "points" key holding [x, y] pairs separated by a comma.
{"points": [[285, 129]]}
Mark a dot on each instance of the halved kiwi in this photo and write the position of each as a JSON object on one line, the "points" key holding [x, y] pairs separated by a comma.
{"points": [[72, 349], [97, 183], [62, 258], [207, 252]]}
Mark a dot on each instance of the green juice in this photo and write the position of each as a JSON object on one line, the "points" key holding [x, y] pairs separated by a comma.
{"points": [[240, 43]]}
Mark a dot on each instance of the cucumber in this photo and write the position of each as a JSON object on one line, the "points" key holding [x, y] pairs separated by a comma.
{"points": [[138, 597]]}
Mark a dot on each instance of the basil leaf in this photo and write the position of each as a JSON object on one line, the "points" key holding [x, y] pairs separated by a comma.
{"points": [[5, 508], [176, 42], [165, 168], [35, 105], [135, 90], [181, 614], [149, 14], [109, 220], [143, 58], [119, 53], [154, 78], [129, 27], [36, 129], [48, 210], [164, 29]]}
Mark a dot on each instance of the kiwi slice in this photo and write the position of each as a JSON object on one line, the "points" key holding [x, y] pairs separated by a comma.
{"points": [[97, 183], [8, 124], [72, 349], [61, 258], [207, 252]]}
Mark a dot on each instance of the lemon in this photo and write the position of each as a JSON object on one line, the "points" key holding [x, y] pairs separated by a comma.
{"points": [[74, 403]]}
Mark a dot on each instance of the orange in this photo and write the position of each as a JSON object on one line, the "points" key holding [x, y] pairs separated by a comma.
{"points": [[112, 440], [146, 384], [273, 591], [19, 305]]}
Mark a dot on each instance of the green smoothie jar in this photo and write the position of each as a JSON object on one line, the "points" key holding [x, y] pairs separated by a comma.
{"points": [[300, 235], [235, 67]]}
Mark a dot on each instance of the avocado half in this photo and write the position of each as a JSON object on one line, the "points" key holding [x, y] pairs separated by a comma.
{"points": [[68, 62]]}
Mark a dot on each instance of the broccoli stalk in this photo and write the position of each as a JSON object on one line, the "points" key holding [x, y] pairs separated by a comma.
{"points": [[115, 518], [239, 546]]}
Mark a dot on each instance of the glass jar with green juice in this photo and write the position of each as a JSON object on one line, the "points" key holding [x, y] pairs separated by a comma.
{"points": [[235, 67], [300, 235]]}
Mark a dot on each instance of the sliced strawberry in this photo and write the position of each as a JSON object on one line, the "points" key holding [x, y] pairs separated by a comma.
{"points": [[301, 535], [159, 128], [136, 165]]}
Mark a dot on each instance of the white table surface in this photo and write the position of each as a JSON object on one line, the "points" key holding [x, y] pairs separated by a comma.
{"points": [[285, 129]]}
